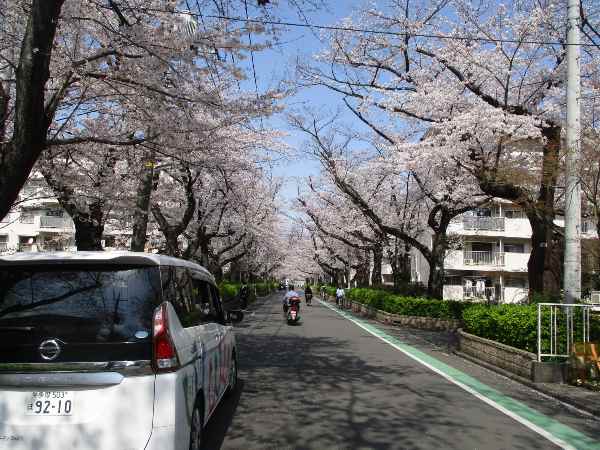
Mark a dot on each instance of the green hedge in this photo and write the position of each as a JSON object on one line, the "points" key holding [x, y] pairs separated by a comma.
{"points": [[514, 325], [407, 306]]}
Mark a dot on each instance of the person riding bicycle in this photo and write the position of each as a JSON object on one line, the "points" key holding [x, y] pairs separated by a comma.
{"points": [[286, 299], [339, 295]]}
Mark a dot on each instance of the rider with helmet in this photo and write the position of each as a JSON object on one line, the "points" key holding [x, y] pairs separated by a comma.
{"points": [[286, 299]]}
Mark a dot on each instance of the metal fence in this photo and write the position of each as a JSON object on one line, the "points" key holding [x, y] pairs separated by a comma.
{"points": [[560, 325]]}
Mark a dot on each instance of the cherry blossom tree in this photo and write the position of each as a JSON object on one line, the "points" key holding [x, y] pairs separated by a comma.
{"points": [[398, 193], [490, 90], [65, 61]]}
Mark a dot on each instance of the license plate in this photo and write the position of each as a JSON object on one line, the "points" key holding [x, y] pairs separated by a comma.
{"points": [[50, 403]]}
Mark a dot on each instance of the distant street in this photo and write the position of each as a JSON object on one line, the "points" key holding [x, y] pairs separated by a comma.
{"points": [[328, 384]]}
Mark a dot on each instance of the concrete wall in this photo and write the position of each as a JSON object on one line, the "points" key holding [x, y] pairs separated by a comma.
{"points": [[508, 358]]}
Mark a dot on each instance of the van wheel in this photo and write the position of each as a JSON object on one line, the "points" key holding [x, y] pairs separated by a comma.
{"points": [[196, 429], [233, 375]]}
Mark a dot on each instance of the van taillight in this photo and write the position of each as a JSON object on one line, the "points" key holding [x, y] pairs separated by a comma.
{"points": [[165, 357]]}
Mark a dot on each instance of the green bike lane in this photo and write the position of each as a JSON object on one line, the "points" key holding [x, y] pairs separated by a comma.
{"points": [[338, 381]]}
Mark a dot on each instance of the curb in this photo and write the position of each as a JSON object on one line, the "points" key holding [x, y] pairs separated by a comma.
{"points": [[566, 400]]}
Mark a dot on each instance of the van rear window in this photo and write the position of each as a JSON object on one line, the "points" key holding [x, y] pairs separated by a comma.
{"points": [[91, 305]]}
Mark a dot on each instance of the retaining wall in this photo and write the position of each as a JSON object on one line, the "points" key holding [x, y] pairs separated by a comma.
{"points": [[512, 359]]}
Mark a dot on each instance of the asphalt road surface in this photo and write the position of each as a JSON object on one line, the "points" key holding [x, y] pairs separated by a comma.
{"points": [[332, 383]]}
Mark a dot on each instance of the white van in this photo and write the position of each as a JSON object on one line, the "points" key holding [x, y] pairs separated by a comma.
{"points": [[110, 351]]}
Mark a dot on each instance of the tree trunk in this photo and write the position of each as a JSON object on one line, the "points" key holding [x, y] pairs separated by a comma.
{"points": [[142, 205], [204, 259], [363, 269], [541, 217], [89, 229], [31, 118], [376, 278], [435, 283]]}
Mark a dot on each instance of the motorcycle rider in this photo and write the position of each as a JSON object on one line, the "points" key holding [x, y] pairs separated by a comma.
{"points": [[286, 299]]}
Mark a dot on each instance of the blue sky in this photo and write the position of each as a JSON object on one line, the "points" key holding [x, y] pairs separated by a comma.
{"points": [[279, 63]]}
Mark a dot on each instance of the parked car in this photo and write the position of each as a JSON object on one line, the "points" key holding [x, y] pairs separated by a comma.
{"points": [[111, 351]]}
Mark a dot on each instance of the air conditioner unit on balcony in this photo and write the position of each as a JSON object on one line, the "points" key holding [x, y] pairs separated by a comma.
{"points": [[595, 296]]}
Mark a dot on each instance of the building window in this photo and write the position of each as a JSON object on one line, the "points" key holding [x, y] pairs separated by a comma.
{"points": [[514, 248], [109, 241], [514, 214], [515, 282], [453, 281]]}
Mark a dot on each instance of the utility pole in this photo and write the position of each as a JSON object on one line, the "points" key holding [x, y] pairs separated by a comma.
{"points": [[572, 264]]}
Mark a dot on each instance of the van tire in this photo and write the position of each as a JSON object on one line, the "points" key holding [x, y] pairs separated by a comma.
{"points": [[233, 375], [197, 426]]}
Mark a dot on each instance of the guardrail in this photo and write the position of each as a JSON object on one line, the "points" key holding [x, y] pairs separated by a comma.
{"points": [[564, 323]]}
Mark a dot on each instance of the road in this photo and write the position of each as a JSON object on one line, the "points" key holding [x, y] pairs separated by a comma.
{"points": [[329, 383]]}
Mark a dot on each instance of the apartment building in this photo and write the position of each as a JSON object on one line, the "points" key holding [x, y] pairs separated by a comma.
{"points": [[38, 223], [488, 261]]}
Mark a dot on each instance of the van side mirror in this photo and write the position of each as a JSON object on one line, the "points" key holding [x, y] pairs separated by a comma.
{"points": [[235, 316]]}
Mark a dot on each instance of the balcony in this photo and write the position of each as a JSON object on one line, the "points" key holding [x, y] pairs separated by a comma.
{"points": [[489, 295], [55, 222], [483, 258], [483, 223]]}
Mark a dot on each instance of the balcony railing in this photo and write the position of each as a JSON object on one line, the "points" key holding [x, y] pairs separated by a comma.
{"points": [[483, 258], [27, 219], [483, 223], [55, 222]]}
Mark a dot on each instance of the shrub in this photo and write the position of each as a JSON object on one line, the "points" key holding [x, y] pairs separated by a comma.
{"points": [[408, 306], [229, 291], [514, 325]]}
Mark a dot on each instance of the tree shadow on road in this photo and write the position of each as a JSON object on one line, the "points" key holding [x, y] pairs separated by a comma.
{"points": [[315, 393]]}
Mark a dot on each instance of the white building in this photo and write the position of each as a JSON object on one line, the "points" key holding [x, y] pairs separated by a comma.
{"points": [[37, 223], [489, 259]]}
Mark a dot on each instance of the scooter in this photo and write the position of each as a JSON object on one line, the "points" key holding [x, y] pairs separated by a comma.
{"points": [[308, 299], [293, 311]]}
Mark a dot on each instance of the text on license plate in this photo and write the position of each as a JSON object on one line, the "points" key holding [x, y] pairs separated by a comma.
{"points": [[50, 403]]}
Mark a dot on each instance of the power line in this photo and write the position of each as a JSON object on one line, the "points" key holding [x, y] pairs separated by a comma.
{"points": [[380, 32]]}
